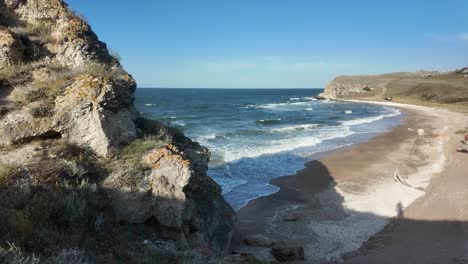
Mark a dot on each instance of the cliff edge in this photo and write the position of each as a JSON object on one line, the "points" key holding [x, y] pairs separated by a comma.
{"points": [[83, 178]]}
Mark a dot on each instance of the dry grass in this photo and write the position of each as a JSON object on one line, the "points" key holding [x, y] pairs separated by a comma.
{"points": [[43, 109], [105, 71], [41, 31], [8, 174]]}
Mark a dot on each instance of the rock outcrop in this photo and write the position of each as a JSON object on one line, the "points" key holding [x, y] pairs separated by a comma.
{"points": [[176, 192], [93, 106], [94, 174]]}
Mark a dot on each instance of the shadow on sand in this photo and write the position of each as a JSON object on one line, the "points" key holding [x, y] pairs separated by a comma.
{"points": [[309, 212]]}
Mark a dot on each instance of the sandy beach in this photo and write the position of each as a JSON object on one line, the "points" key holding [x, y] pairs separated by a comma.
{"points": [[403, 189]]}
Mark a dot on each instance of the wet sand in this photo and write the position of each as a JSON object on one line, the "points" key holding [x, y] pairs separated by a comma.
{"points": [[339, 201]]}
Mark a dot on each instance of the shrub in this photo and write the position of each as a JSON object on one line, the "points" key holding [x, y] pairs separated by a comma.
{"points": [[8, 174], [74, 206], [43, 109]]}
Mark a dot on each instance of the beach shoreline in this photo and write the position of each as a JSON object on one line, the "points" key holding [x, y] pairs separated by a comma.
{"points": [[337, 202]]}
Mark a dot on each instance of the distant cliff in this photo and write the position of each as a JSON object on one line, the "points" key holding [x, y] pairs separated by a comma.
{"points": [[421, 87], [83, 178]]}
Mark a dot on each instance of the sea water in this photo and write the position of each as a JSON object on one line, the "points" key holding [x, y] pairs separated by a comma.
{"points": [[255, 135]]}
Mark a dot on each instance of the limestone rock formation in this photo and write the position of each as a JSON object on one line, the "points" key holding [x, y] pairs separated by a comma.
{"points": [[176, 192], [90, 97], [72, 144]]}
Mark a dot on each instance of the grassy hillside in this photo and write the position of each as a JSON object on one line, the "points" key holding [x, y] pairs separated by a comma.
{"points": [[447, 90]]}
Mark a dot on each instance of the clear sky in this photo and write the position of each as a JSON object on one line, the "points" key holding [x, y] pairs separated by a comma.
{"points": [[277, 43]]}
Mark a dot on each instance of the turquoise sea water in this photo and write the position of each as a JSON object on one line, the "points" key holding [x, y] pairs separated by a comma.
{"points": [[256, 135]]}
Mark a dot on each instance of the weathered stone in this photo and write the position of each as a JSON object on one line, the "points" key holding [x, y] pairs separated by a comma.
{"points": [[286, 252], [258, 240], [178, 194]]}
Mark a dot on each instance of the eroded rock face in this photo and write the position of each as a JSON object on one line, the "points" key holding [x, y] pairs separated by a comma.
{"points": [[75, 43], [94, 110], [342, 87], [177, 193], [97, 112]]}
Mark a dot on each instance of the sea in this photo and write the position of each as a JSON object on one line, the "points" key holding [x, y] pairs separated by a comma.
{"points": [[255, 135]]}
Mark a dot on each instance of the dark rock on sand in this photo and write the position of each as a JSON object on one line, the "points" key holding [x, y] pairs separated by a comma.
{"points": [[287, 252]]}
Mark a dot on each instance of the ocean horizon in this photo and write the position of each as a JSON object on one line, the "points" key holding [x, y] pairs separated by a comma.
{"points": [[256, 135]]}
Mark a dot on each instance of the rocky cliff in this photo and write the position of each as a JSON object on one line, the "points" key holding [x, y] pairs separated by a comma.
{"points": [[422, 87], [83, 178]]}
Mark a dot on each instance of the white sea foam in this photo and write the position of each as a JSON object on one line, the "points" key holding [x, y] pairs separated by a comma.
{"points": [[179, 123], [371, 119], [348, 112], [280, 105], [295, 128], [150, 104], [294, 98], [233, 152], [309, 109], [309, 98]]}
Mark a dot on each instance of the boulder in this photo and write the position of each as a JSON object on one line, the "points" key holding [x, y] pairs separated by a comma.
{"points": [[178, 195], [258, 240], [285, 252]]}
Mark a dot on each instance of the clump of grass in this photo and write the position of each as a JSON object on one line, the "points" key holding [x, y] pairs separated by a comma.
{"points": [[48, 172], [14, 74], [128, 163], [34, 95], [115, 55], [8, 174], [41, 30], [103, 70], [158, 131], [43, 109]]}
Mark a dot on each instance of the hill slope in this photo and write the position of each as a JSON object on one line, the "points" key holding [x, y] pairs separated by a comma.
{"points": [[448, 89]]}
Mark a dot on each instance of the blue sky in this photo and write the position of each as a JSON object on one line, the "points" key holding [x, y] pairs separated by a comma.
{"points": [[277, 43]]}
